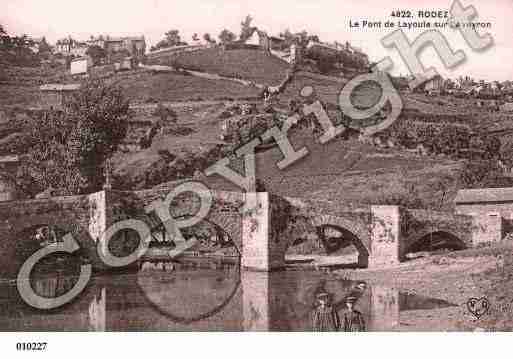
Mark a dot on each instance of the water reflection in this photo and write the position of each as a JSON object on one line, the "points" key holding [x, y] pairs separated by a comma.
{"points": [[207, 296], [98, 312]]}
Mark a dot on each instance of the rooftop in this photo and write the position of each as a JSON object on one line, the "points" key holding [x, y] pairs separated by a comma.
{"points": [[59, 87], [483, 195], [9, 159], [118, 38]]}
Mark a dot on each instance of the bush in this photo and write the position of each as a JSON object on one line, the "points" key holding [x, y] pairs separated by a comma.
{"points": [[483, 174], [442, 138], [67, 150]]}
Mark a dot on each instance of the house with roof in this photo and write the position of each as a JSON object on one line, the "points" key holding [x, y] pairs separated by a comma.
{"points": [[8, 167], [81, 65], [134, 46], [260, 39], [434, 84], [55, 96], [69, 46], [491, 209]]}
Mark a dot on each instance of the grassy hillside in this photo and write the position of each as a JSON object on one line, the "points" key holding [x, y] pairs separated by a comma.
{"points": [[251, 65], [342, 170], [19, 86], [146, 87]]}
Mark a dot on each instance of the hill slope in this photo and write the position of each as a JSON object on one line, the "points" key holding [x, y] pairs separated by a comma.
{"points": [[144, 86], [251, 65]]}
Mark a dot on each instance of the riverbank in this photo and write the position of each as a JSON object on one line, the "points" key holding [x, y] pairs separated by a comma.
{"points": [[454, 277]]}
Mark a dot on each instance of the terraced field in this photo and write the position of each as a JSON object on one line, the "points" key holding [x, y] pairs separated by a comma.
{"points": [[251, 65]]}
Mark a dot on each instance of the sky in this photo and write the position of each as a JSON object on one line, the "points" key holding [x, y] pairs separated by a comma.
{"points": [[329, 19]]}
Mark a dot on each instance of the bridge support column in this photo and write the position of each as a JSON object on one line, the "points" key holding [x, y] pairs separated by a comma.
{"points": [[98, 223], [487, 228], [255, 301], [102, 215], [385, 236], [259, 251], [384, 308]]}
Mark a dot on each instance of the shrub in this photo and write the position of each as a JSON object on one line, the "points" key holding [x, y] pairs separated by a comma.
{"points": [[483, 174], [67, 150]]}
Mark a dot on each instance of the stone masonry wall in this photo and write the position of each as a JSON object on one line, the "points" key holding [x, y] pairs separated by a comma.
{"points": [[486, 226], [19, 219]]}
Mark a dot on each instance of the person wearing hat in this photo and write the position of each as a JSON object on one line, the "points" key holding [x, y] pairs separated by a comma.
{"points": [[353, 319], [324, 317]]}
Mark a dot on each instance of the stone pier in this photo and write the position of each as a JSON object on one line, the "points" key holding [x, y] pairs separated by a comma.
{"points": [[385, 236], [384, 308], [259, 251]]}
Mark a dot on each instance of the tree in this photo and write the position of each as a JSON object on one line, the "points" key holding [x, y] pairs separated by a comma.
{"points": [[172, 38], [17, 49], [97, 53], [209, 39], [226, 36], [195, 37], [246, 28], [288, 36], [301, 38], [44, 47], [3, 33], [68, 149]]}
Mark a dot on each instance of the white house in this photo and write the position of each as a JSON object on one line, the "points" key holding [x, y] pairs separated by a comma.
{"points": [[81, 65], [434, 84], [254, 39]]}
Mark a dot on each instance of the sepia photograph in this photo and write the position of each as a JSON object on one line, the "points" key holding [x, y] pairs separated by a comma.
{"points": [[269, 166]]}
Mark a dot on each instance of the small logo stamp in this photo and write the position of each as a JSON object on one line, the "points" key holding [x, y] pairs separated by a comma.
{"points": [[478, 306]]}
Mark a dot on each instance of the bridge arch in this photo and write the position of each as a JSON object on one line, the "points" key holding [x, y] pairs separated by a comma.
{"points": [[24, 231], [432, 239], [350, 233], [229, 222]]}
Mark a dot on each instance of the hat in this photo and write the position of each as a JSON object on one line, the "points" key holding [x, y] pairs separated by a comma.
{"points": [[322, 295], [350, 299], [361, 284]]}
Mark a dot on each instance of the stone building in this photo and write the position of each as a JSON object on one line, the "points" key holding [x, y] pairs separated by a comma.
{"points": [[262, 40], [8, 166], [491, 208], [434, 84], [135, 46], [54, 96], [80, 65], [70, 46]]}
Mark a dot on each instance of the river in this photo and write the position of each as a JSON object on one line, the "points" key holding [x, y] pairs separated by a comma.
{"points": [[213, 297]]}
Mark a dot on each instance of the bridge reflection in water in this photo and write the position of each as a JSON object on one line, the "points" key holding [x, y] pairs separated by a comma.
{"points": [[213, 298]]}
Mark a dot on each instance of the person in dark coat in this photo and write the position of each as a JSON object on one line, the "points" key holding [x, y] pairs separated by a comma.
{"points": [[353, 319], [324, 317]]}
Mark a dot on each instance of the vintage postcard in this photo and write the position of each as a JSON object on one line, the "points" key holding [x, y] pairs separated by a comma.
{"points": [[212, 165]]}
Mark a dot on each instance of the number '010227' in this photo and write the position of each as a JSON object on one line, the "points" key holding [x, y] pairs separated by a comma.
{"points": [[31, 346]]}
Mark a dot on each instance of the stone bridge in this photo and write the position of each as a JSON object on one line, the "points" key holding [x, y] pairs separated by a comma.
{"points": [[381, 234]]}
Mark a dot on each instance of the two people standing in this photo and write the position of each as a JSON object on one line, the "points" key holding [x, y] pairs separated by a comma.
{"points": [[325, 317]]}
